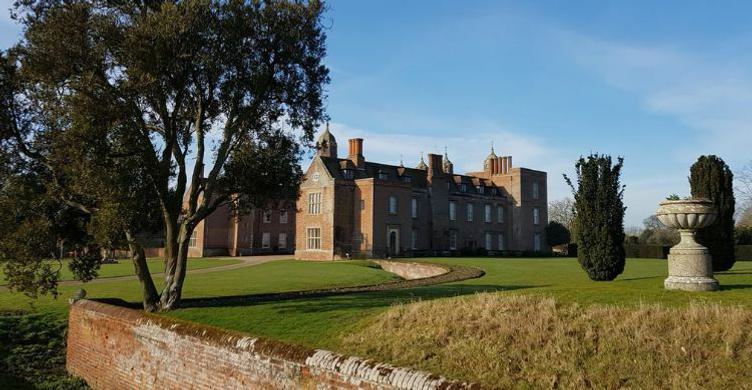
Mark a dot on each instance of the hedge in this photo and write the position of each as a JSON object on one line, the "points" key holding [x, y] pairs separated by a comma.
{"points": [[744, 252], [647, 251]]}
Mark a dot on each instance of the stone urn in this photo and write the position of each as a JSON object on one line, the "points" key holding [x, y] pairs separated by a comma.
{"points": [[690, 266]]}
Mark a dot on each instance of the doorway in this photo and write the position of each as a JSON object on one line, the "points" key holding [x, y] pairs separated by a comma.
{"points": [[393, 241]]}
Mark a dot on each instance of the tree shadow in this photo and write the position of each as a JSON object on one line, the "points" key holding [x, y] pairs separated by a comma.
{"points": [[727, 287], [339, 299], [640, 278]]}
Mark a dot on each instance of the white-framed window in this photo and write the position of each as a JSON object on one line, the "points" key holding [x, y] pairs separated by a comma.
{"points": [[489, 241], [313, 238], [537, 242], [453, 239], [452, 210], [487, 213], [283, 216], [414, 207], [348, 174], [314, 203], [407, 179], [481, 189], [463, 187], [414, 239], [383, 175], [500, 214], [501, 242], [393, 205], [267, 216], [193, 240], [536, 190], [536, 216], [265, 240], [282, 241], [469, 212]]}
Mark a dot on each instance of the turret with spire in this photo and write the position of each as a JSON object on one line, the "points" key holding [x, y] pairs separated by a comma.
{"points": [[488, 164], [448, 166], [326, 144], [422, 164]]}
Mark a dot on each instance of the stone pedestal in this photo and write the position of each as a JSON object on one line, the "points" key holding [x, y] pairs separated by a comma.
{"points": [[690, 266]]}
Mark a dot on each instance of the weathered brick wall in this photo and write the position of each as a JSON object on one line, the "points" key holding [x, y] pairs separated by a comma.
{"points": [[112, 347]]}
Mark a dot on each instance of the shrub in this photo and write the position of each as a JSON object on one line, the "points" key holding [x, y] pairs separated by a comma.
{"points": [[711, 178], [599, 214], [557, 234], [32, 353]]}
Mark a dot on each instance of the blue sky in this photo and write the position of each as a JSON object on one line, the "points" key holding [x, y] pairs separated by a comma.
{"points": [[656, 82]]}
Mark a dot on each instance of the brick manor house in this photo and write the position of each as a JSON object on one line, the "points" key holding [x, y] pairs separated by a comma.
{"points": [[350, 206]]}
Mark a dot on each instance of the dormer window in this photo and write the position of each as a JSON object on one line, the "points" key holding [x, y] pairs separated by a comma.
{"points": [[407, 179], [481, 189], [382, 175], [463, 187], [494, 191], [348, 174]]}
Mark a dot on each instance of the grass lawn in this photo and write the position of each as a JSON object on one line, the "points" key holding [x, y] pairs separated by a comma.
{"points": [[336, 322], [285, 275], [124, 267], [321, 322]]}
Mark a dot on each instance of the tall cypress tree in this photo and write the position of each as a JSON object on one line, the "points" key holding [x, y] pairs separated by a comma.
{"points": [[599, 214], [711, 178]]}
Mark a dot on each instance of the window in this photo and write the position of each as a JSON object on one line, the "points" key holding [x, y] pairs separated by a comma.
{"points": [[487, 213], [313, 238], [489, 241], [314, 203], [414, 207], [537, 242], [193, 239], [536, 190], [536, 216], [393, 205], [283, 216], [452, 239], [452, 210], [348, 174], [481, 189], [282, 242], [383, 175], [265, 240], [494, 191], [407, 179], [463, 187], [414, 239], [499, 214], [267, 216], [469, 212], [501, 242]]}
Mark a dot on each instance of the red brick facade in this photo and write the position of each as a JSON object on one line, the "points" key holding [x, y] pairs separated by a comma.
{"points": [[261, 231], [362, 208], [112, 347]]}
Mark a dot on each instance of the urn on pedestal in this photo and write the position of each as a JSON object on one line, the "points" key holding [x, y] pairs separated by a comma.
{"points": [[690, 266]]}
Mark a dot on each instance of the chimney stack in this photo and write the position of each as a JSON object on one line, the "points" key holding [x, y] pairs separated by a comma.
{"points": [[435, 165], [356, 152], [495, 166]]}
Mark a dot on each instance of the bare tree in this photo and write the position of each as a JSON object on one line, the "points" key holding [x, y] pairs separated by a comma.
{"points": [[562, 211], [744, 195]]}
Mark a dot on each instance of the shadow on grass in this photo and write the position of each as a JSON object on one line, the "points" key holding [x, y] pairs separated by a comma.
{"points": [[640, 278], [725, 287], [336, 300]]}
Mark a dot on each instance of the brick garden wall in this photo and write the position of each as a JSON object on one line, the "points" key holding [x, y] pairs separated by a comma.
{"points": [[113, 347]]}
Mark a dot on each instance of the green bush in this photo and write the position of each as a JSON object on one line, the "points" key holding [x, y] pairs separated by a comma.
{"points": [[599, 210], [32, 353], [711, 178]]}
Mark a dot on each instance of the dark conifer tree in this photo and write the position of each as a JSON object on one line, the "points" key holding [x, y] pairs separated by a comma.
{"points": [[599, 216], [711, 178]]}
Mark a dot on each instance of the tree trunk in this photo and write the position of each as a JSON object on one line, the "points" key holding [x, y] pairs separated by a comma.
{"points": [[150, 297], [173, 289]]}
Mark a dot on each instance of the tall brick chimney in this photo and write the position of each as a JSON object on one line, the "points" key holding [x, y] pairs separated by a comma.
{"points": [[435, 165], [356, 152]]}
